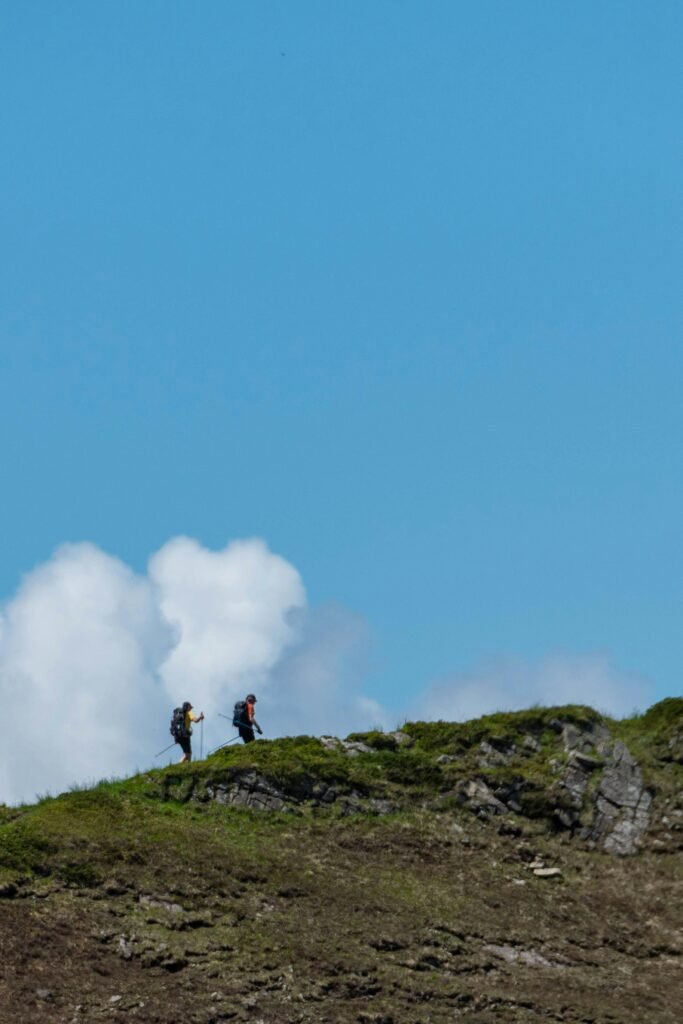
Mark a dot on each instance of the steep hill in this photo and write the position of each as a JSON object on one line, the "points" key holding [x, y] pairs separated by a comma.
{"points": [[521, 868]]}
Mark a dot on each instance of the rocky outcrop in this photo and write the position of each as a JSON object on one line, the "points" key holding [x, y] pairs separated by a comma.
{"points": [[253, 790], [248, 790], [582, 781], [600, 794], [622, 804]]}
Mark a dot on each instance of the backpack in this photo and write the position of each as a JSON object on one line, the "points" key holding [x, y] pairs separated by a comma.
{"points": [[239, 715], [178, 730]]}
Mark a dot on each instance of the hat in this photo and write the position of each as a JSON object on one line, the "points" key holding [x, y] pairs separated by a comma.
{"points": [[251, 699]]}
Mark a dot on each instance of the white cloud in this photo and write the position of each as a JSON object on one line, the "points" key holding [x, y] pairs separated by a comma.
{"points": [[511, 684], [231, 613], [93, 658], [77, 654]]}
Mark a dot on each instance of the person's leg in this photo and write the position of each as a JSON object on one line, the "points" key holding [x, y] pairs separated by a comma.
{"points": [[186, 749], [247, 733]]}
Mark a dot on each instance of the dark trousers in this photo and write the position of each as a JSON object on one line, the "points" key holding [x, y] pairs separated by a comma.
{"points": [[247, 733]]}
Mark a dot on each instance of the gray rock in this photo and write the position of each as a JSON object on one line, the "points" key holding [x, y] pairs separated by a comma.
{"points": [[622, 805], [380, 806], [248, 790], [401, 739], [445, 758], [527, 957], [676, 748], [352, 803], [352, 748], [331, 742], [162, 904], [622, 780], [477, 795], [493, 757], [8, 891], [45, 994], [126, 950], [593, 736], [585, 761]]}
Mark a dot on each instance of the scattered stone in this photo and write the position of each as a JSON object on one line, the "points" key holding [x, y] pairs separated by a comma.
{"points": [[445, 758], [115, 1000], [528, 957], [8, 891], [168, 905], [45, 994], [547, 872]]}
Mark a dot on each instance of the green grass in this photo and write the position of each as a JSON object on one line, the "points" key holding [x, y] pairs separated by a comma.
{"points": [[84, 835]]}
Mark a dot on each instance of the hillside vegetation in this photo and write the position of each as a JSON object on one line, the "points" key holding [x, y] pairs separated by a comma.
{"points": [[522, 867]]}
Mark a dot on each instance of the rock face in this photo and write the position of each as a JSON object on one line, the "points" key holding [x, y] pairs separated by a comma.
{"points": [[248, 790], [600, 794], [622, 804]]}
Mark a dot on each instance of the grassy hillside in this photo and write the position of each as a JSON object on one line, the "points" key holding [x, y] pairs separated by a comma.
{"points": [[397, 878]]}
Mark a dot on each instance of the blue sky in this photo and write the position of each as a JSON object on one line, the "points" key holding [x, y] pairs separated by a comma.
{"points": [[394, 286]]}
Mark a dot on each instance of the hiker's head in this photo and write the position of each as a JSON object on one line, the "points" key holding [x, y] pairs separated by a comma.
{"points": [[187, 706], [251, 699]]}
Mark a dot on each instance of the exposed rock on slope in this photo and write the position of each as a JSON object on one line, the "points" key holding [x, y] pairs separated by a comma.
{"points": [[571, 772]]}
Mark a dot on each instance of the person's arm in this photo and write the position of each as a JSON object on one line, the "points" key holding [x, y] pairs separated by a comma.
{"points": [[193, 717], [252, 721]]}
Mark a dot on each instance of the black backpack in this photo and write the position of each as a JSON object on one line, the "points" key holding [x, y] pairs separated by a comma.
{"points": [[239, 715], [178, 730]]}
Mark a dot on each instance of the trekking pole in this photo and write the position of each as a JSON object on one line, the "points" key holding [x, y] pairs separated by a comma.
{"points": [[220, 747], [201, 741], [165, 749]]}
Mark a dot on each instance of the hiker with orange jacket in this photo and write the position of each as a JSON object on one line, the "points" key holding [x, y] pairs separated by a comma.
{"points": [[244, 719]]}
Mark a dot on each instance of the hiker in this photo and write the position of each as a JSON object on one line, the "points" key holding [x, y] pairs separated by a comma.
{"points": [[244, 719], [181, 729]]}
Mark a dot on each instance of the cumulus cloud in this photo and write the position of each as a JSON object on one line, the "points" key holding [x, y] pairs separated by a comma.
{"points": [[93, 657], [79, 647], [512, 684], [231, 615]]}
